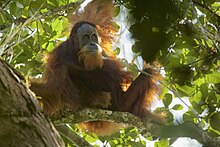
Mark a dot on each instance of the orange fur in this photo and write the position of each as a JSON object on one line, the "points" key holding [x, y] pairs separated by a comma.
{"points": [[91, 60], [154, 88]]}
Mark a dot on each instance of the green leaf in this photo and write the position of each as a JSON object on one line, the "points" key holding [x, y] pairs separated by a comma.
{"points": [[19, 5], [117, 26], [19, 13], [117, 11], [177, 107], [24, 2], [215, 120], [213, 78], [202, 18], [155, 29], [50, 46], [2, 18], [113, 142], [143, 142], [185, 90], [167, 100], [212, 97], [135, 48], [162, 143], [197, 97], [13, 8], [204, 90], [189, 116], [54, 2], [90, 138], [117, 51], [48, 28]]}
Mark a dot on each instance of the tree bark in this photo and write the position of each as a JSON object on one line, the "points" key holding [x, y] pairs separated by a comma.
{"points": [[22, 122]]}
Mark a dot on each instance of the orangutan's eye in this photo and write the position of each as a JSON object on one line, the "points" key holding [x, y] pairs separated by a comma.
{"points": [[94, 38]]}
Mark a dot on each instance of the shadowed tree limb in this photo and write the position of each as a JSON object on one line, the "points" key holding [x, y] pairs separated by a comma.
{"points": [[187, 129]]}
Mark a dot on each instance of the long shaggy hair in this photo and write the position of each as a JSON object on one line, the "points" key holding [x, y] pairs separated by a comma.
{"points": [[91, 60]]}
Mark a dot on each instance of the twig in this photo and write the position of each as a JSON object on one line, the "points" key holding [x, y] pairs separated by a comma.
{"points": [[207, 8]]}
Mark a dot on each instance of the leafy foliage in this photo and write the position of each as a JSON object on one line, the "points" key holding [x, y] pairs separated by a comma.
{"points": [[183, 35], [24, 45]]}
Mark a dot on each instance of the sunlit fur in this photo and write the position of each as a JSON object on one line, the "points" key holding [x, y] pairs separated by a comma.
{"points": [[90, 60]]}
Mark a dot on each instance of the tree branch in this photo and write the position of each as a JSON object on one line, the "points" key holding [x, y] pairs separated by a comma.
{"points": [[187, 129], [89, 114]]}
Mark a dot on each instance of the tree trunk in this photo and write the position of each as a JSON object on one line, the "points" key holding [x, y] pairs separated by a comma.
{"points": [[22, 122]]}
